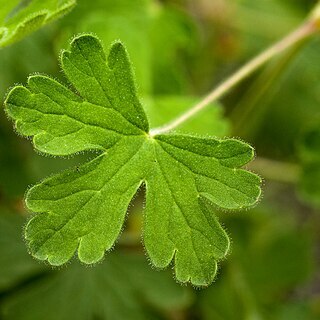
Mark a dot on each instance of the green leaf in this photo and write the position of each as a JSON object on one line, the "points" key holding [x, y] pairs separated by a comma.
{"points": [[121, 288], [19, 18], [83, 209]]}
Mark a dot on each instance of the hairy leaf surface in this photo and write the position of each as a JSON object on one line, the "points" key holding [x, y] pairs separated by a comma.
{"points": [[19, 18], [83, 209], [123, 288]]}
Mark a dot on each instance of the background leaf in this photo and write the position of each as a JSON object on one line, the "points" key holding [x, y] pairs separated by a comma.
{"points": [[19, 18], [120, 287]]}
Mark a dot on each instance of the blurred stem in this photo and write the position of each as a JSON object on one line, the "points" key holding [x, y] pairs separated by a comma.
{"points": [[276, 170], [309, 27], [258, 95]]}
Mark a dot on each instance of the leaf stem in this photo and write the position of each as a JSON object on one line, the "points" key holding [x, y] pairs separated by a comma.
{"points": [[309, 27]]}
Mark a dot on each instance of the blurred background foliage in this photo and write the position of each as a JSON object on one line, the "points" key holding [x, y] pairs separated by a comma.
{"points": [[180, 50]]}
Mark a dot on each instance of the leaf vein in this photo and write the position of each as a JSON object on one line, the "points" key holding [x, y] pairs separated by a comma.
{"points": [[91, 197], [185, 219], [204, 175]]}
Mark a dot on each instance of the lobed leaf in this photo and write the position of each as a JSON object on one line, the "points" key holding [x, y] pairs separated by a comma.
{"points": [[123, 288], [19, 18], [83, 209]]}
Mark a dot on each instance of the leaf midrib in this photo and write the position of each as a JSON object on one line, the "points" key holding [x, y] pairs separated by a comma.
{"points": [[73, 118], [208, 156]]}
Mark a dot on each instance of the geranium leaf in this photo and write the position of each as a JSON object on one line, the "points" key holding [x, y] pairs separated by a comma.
{"points": [[121, 288], [83, 209]]}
